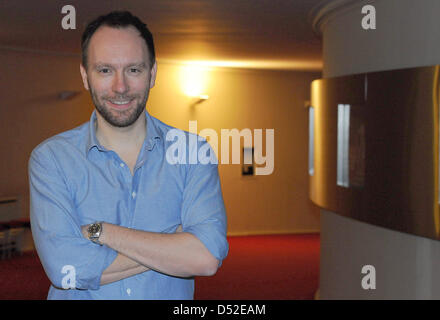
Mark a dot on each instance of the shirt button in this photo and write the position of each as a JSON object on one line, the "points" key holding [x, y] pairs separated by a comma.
{"points": [[129, 291], [122, 165], [133, 194]]}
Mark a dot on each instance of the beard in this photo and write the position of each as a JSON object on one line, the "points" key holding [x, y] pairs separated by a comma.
{"points": [[123, 118]]}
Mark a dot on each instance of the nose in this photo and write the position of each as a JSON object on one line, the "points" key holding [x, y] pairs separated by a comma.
{"points": [[120, 85]]}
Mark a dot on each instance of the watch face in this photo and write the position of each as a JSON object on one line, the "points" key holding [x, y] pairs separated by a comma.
{"points": [[94, 228]]}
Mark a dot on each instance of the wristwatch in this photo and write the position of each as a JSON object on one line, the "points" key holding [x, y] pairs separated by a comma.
{"points": [[95, 231]]}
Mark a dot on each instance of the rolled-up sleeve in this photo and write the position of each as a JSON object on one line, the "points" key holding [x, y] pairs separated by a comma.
{"points": [[203, 210], [56, 228]]}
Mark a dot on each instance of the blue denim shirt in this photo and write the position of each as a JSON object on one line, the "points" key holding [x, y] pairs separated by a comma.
{"points": [[75, 181]]}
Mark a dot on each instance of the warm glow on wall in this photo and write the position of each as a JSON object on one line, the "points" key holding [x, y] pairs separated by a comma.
{"points": [[310, 65], [194, 80]]}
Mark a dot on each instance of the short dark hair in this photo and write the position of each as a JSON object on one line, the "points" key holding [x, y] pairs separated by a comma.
{"points": [[117, 19]]}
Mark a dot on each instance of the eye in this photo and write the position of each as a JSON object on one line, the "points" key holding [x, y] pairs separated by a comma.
{"points": [[135, 70], [104, 70]]}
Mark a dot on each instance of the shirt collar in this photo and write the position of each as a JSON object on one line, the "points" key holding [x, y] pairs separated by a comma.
{"points": [[150, 140], [153, 134]]}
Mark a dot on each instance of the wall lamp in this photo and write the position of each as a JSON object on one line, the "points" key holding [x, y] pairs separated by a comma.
{"points": [[194, 79]]}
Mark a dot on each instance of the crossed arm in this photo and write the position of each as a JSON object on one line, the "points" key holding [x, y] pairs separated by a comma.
{"points": [[55, 221], [178, 254]]}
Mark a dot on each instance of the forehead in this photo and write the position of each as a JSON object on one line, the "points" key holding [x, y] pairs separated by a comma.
{"points": [[117, 46]]}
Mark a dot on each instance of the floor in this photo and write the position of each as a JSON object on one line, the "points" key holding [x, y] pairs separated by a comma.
{"points": [[278, 267]]}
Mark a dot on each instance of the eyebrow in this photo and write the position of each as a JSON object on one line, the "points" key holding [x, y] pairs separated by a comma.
{"points": [[135, 64]]}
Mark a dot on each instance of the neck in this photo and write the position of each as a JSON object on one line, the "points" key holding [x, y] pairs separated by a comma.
{"points": [[121, 139]]}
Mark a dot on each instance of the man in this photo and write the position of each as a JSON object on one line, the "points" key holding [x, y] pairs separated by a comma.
{"points": [[111, 217]]}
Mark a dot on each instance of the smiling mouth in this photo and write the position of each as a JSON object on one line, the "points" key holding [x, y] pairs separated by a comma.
{"points": [[120, 104]]}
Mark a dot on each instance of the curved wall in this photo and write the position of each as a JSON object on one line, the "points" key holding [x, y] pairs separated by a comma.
{"points": [[405, 36]]}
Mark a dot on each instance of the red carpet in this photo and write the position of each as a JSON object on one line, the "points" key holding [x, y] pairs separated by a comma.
{"points": [[280, 267], [23, 277], [265, 267]]}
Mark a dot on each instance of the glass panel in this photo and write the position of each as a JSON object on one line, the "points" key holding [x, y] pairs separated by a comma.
{"points": [[343, 145], [311, 140]]}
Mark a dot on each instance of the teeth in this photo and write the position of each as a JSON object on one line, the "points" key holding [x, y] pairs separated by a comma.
{"points": [[120, 102]]}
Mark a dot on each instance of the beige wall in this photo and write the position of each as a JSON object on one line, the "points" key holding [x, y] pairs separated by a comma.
{"points": [[30, 111], [278, 203]]}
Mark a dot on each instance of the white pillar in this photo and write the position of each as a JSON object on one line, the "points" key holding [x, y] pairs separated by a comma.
{"points": [[407, 35]]}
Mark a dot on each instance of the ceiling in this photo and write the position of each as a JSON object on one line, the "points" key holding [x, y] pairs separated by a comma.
{"points": [[274, 34]]}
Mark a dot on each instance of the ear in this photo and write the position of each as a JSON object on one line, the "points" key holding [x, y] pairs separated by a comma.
{"points": [[83, 72], [153, 75]]}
